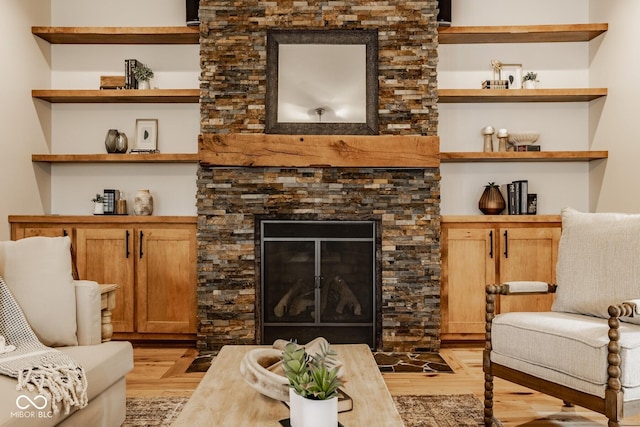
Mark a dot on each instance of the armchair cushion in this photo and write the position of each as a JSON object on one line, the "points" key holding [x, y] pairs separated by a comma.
{"points": [[37, 270], [88, 312], [579, 356], [588, 279]]}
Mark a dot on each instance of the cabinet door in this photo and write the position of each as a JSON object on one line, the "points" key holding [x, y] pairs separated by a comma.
{"points": [[166, 274], [106, 256], [528, 254], [468, 266]]}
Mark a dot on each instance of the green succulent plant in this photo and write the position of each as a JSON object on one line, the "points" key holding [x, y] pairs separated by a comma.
{"points": [[530, 76], [311, 376], [142, 73], [98, 199]]}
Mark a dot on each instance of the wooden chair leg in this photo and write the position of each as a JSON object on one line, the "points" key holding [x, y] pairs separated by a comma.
{"points": [[488, 400]]}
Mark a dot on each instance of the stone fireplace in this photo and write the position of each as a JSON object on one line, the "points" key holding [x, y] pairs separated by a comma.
{"points": [[247, 178]]}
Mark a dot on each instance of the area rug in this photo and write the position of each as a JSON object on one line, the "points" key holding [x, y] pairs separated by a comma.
{"points": [[461, 410], [387, 362], [153, 411], [416, 411]]}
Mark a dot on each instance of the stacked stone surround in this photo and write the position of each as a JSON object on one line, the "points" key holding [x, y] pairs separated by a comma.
{"points": [[404, 202]]}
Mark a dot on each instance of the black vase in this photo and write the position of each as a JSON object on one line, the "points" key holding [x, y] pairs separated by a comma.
{"points": [[491, 202]]}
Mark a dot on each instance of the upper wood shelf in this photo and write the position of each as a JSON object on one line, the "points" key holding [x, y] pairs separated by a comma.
{"points": [[519, 95], [172, 96], [116, 158], [523, 156], [118, 35], [520, 33]]}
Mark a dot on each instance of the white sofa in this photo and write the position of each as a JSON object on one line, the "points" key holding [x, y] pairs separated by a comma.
{"points": [[65, 314]]}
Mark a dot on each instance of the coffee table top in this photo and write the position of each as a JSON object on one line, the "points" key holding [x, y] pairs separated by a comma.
{"points": [[223, 398]]}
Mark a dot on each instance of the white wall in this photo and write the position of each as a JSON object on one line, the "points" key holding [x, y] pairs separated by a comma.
{"points": [[81, 128], [563, 126], [24, 187], [615, 120]]}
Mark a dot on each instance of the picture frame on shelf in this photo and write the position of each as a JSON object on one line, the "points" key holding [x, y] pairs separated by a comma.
{"points": [[513, 74], [146, 136]]}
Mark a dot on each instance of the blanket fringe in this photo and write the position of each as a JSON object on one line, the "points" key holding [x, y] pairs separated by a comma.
{"points": [[62, 385]]}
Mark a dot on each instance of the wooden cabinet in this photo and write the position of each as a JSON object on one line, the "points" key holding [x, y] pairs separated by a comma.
{"points": [[477, 251], [152, 259], [104, 255]]}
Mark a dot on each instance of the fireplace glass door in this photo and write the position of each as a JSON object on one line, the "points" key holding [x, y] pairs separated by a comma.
{"points": [[318, 279]]}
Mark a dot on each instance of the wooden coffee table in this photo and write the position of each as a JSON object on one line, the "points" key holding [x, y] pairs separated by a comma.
{"points": [[223, 398]]}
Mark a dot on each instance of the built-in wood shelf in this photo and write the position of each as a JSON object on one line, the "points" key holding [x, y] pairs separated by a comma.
{"points": [[91, 96], [523, 156], [501, 218], [118, 35], [520, 33], [519, 95], [116, 158]]}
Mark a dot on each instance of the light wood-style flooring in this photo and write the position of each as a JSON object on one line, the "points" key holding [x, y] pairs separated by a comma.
{"points": [[161, 372]]}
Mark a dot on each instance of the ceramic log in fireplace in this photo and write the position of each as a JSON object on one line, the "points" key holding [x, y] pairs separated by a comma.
{"points": [[318, 279]]}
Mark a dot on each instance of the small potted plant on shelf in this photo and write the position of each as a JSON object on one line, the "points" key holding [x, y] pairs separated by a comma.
{"points": [[143, 74], [98, 204], [529, 80], [314, 383]]}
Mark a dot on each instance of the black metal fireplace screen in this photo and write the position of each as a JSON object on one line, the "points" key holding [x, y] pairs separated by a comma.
{"points": [[318, 279]]}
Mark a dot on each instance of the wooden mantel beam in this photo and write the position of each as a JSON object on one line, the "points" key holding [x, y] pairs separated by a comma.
{"points": [[271, 150]]}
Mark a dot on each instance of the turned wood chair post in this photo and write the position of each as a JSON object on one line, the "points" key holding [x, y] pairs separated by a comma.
{"points": [[491, 291], [614, 396]]}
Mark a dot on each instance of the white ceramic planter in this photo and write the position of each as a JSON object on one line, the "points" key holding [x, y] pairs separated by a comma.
{"points": [[529, 84], [312, 413], [295, 408]]}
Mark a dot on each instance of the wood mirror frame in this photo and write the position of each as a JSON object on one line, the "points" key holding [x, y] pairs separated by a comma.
{"points": [[368, 38]]}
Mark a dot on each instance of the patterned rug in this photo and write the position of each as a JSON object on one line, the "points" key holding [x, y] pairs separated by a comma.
{"points": [[387, 362], [416, 411]]}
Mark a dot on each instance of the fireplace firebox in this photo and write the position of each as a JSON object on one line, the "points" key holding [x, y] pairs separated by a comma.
{"points": [[318, 278]]}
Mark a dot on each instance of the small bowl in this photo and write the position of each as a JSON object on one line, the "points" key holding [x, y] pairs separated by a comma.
{"points": [[523, 138]]}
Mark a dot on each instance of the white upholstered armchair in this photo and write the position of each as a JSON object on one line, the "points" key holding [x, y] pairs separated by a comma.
{"points": [[586, 350]]}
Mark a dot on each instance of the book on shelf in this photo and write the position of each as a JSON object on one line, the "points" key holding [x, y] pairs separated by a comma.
{"points": [[527, 148], [130, 81], [495, 84], [517, 197], [144, 151]]}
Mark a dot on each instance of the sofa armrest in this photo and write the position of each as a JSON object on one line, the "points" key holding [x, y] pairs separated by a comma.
{"points": [[88, 312]]}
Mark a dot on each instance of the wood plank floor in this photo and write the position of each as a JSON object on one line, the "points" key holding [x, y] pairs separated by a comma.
{"points": [[161, 372]]}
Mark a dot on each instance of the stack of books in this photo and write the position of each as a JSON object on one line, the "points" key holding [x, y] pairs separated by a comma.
{"points": [[530, 147], [495, 84], [517, 197], [130, 81]]}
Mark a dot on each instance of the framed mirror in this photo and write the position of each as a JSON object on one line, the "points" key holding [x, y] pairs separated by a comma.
{"points": [[322, 82]]}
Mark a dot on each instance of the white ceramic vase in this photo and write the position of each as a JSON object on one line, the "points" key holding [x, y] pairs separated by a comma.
{"points": [[98, 208], [143, 203], [144, 84], [529, 84], [312, 413]]}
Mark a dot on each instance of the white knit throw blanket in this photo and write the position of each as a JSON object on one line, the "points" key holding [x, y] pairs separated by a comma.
{"points": [[48, 371]]}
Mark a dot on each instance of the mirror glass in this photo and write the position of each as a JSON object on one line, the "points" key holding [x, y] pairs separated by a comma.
{"points": [[322, 82]]}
